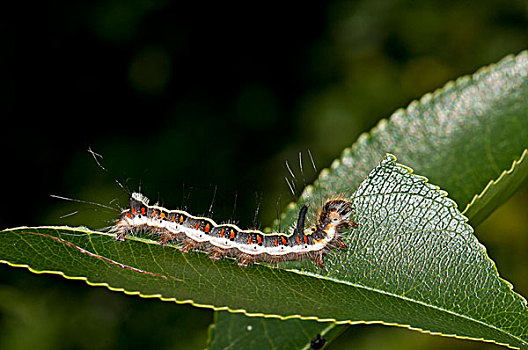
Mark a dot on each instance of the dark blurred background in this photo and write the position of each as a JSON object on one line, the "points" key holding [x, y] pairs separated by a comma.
{"points": [[181, 98]]}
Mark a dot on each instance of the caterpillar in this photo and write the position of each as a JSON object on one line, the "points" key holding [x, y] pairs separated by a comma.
{"points": [[227, 240]]}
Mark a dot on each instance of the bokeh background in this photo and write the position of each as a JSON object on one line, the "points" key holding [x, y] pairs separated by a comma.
{"points": [[198, 103]]}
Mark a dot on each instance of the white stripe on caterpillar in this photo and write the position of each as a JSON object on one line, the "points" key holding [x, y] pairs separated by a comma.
{"points": [[226, 240]]}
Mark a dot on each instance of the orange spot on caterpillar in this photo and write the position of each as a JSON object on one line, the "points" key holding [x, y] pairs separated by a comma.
{"points": [[283, 240], [305, 239], [153, 213], [129, 215], [181, 219], [143, 211], [133, 210], [207, 228], [259, 239], [197, 225], [298, 240], [163, 216], [249, 240], [173, 217], [232, 234], [222, 232], [276, 242]]}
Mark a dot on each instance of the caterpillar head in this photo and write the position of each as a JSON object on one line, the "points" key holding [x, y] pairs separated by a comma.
{"points": [[336, 213]]}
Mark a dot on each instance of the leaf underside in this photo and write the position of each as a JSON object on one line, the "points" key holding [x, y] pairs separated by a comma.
{"points": [[236, 331], [412, 261]]}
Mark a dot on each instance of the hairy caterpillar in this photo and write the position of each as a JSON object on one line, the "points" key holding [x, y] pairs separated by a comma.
{"points": [[226, 240]]}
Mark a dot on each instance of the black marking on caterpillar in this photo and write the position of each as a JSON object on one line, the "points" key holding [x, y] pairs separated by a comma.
{"points": [[226, 240]]}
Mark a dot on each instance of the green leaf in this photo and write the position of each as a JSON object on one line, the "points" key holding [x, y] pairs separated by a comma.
{"points": [[413, 262], [460, 137], [463, 137], [497, 191], [236, 331]]}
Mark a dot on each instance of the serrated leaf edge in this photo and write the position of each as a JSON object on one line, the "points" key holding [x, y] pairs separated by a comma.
{"points": [[491, 183], [306, 273], [249, 314], [350, 150], [398, 113], [212, 327], [363, 138]]}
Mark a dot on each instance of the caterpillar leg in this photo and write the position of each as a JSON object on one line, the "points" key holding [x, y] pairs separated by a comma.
{"points": [[319, 259], [215, 254], [245, 259], [341, 244], [165, 237], [188, 245], [120, 236], [121, 231]]}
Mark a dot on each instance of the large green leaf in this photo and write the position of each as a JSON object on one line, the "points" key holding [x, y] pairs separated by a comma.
{"points": [[413, 261], [467, 137], [460, 137]]}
